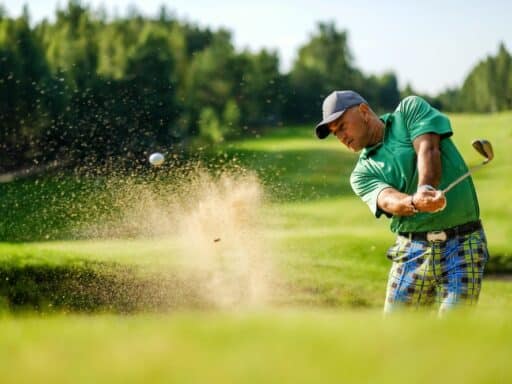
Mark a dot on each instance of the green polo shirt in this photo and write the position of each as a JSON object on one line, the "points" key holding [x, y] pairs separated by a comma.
{"points": [[392, 163]]}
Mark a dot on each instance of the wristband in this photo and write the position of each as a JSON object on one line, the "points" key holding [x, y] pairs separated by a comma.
{"points": [[427, 187]]}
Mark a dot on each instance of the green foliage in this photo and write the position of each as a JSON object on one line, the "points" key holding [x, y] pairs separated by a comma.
{"points": [[150, 72], [450, 100], [325, 63], [231, 117], [327, 55], [23, 76], [260, 89], [209, 125], [382, 91], [85, 88], [208, 82], [71, 45], [487, 88], [434, 101], [214, 128]]}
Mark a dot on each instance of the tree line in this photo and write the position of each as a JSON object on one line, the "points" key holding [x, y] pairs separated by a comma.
{"points": [[487, 88], [86, 87]]}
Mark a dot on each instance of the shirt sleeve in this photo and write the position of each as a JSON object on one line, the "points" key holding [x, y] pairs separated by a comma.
{"points": [[421, 118], [368, 186]]}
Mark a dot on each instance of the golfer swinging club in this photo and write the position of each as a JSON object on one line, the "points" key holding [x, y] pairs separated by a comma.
{"points": [[406, 158]]}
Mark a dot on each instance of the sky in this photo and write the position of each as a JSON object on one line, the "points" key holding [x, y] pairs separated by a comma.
{"points": [[430, 45]]}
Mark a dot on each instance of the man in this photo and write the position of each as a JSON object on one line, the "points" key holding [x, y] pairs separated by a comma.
{"points": [[406, 158]]}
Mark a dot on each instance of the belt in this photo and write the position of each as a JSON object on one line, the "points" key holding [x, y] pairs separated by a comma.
{"points": [[459, 230]]}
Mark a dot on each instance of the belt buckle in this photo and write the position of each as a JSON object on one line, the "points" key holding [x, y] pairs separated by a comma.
{"points": [[436, 236]]}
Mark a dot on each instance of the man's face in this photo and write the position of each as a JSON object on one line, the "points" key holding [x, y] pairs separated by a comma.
{"points": [[351, 129]]}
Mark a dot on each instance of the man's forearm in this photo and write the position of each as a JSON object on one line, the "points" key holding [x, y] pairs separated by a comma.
{"points": [[428, 153], [396, 203], [429, 159]]}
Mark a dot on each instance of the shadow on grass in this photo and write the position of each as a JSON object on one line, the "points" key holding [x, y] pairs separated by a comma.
{"points": [[100, 287], [499, 265], [96, 287]]}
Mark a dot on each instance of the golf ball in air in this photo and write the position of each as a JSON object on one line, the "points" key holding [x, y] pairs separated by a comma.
{"points": [[156, 158]]}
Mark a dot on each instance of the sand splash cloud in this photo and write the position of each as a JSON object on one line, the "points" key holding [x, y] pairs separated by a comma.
{"points": [[215, 220]]}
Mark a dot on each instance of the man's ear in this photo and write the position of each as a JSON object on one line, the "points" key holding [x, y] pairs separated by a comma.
{"points": [[364, 110]]}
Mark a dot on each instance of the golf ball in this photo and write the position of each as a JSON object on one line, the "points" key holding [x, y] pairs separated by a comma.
{"points": [[156, 158]]}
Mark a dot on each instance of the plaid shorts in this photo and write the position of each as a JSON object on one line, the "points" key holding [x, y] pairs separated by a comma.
{"points": [[426, 274]]}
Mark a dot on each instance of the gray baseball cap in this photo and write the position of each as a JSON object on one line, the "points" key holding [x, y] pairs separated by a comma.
{"points": [[334, 106]]}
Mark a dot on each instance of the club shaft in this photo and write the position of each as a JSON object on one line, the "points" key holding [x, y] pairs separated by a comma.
{"points": [[464, 176]]}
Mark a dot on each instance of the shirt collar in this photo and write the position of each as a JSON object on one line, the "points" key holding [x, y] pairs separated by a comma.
{"points": [[387, 118]]}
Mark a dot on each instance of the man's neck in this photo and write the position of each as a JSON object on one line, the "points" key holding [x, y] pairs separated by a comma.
{"points": [[377, 132]]}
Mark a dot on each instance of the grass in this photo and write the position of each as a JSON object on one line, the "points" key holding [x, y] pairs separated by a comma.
{"points": [[324, 325], [274, 347]]}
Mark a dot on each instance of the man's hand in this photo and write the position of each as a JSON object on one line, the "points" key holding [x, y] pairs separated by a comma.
{"points": [[429, 200]]}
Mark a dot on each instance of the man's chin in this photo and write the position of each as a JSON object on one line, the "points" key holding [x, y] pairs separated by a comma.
{"points": [[354, 149]]}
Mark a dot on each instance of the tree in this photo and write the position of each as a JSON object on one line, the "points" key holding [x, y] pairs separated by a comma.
{"points": [[151, 75], [23, 74], [502, 84], [488, 87], [324, 64], [71, 45], [210, 80], [258, 88]]}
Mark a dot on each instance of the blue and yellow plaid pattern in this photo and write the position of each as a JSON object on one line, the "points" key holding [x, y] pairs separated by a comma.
{"points": [[425, 274]]}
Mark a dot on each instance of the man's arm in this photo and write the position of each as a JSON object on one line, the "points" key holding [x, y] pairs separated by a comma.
{"points": [[396, 203], [429, 159], [429, 173]]}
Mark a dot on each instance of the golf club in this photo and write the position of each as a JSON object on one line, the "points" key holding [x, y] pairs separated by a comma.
{"points": [[484, 148]]}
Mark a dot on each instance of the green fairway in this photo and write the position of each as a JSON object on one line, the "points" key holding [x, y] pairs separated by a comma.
{"points": [[327, 247], [320, 320]]}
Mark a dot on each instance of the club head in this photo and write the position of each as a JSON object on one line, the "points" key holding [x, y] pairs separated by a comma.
{"points": [[484, 148]]}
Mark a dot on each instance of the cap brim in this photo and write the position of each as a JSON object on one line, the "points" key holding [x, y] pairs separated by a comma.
{"points": [[322, 129]]}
